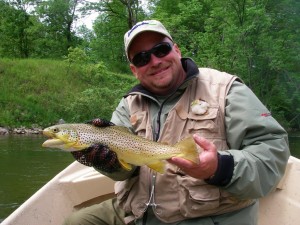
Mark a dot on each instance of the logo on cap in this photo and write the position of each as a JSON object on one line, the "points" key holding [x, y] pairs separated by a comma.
{"points": [[138, 25]]}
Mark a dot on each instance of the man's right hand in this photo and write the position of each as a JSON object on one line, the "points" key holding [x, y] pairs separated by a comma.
{"points": [[98, 156]]}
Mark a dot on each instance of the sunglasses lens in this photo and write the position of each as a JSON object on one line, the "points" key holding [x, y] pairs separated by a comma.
{"points": [[143, 58], [162, 50]]}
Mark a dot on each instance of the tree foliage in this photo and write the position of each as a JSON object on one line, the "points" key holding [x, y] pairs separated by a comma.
{"points": [[58, 17], [256, 39], [248, 38], [116, 17], [15, 25], [34, 28]]}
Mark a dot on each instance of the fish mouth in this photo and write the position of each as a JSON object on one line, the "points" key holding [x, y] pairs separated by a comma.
{"points": [[52, 142], [48, 134]]}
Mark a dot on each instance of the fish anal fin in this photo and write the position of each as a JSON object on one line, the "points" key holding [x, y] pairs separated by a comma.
{"points": [[125, 165], [188, 149], [159, 166]]}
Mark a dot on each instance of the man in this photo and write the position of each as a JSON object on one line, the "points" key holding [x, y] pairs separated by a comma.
{"points": [[243, 151]]}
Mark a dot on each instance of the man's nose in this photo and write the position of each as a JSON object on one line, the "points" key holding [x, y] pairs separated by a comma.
{"points": [[155, 60]]}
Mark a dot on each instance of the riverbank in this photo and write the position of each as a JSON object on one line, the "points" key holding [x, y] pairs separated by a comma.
{"points": [[40, 92], [20, 130]]}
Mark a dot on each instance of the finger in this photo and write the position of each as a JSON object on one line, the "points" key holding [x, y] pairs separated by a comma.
{"points": [[98, 122], [101, 122], [182, 163], [205, 144]]}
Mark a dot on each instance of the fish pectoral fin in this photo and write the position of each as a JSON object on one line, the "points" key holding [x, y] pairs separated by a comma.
{"points": [[188, 150], [158, 166], [125, 165]]}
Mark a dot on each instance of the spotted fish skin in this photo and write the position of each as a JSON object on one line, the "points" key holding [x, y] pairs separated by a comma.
{"points": [[130, 148]]}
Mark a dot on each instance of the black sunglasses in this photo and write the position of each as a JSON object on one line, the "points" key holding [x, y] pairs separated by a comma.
{"points": [[160, 50]]}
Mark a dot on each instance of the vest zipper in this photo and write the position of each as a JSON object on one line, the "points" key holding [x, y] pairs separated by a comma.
{"points": [[151, 201], [157, 132]]}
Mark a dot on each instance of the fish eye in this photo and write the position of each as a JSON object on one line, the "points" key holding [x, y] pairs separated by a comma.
{"points": [[55, 130]]}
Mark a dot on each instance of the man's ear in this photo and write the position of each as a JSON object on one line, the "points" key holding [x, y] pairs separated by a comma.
{"points": [[133, 70], [177, 49]]}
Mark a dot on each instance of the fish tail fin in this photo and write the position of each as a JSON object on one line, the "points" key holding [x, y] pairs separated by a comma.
{"points": [[188, 149]]}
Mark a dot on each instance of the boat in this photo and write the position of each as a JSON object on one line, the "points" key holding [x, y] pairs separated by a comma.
{"points": [[79, 186]]}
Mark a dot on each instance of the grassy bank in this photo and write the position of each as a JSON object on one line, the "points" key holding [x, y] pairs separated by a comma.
{"points": [[40, 92]]}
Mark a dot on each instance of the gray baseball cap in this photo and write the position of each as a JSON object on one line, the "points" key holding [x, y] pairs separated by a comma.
{"points": [[147, 25]]}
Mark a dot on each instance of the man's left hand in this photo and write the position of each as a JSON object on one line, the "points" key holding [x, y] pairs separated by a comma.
{"points": [[208, 160]]}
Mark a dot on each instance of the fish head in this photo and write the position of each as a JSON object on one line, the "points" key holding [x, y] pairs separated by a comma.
{"points": [[64, 136]]}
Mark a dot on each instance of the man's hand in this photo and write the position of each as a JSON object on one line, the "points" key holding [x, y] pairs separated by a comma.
{"points": [[98, 155], [98, 122], [208, 160]]}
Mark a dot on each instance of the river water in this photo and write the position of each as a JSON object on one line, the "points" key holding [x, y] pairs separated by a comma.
{"points": [[25, 167]]}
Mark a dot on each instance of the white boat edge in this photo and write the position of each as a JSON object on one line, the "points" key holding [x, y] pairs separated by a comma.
{"points": [[78, 186]]}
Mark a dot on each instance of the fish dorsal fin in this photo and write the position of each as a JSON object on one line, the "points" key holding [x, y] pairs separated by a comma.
{"points": [[188, 149], [123, 129]]}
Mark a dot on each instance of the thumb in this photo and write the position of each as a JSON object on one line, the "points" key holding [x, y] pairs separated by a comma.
{"points": [[205, 144]]}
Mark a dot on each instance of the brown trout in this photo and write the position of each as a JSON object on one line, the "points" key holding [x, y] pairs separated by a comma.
{"points": [[130, 148]]}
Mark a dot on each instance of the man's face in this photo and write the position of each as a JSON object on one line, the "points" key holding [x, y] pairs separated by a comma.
{"points": [[162, 75]]}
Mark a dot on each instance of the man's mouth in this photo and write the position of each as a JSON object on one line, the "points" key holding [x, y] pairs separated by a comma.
{"points": [[159, 71]]}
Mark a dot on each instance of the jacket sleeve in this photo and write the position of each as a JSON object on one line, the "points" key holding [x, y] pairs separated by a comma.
{"points": [[120, 117], [257, 142]]}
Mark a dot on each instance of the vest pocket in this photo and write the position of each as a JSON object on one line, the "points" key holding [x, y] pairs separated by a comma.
{"points": [[122, 189], [139, 122], [196, 197], [204, 122], [205, 125]]}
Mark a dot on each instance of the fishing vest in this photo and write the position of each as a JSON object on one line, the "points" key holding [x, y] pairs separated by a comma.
{"points": [[176, 196]]}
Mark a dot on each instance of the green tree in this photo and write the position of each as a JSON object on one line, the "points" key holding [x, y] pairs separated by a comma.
{"points": [[255, 39], [58, 17], [115, 18], [15, 24]]}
